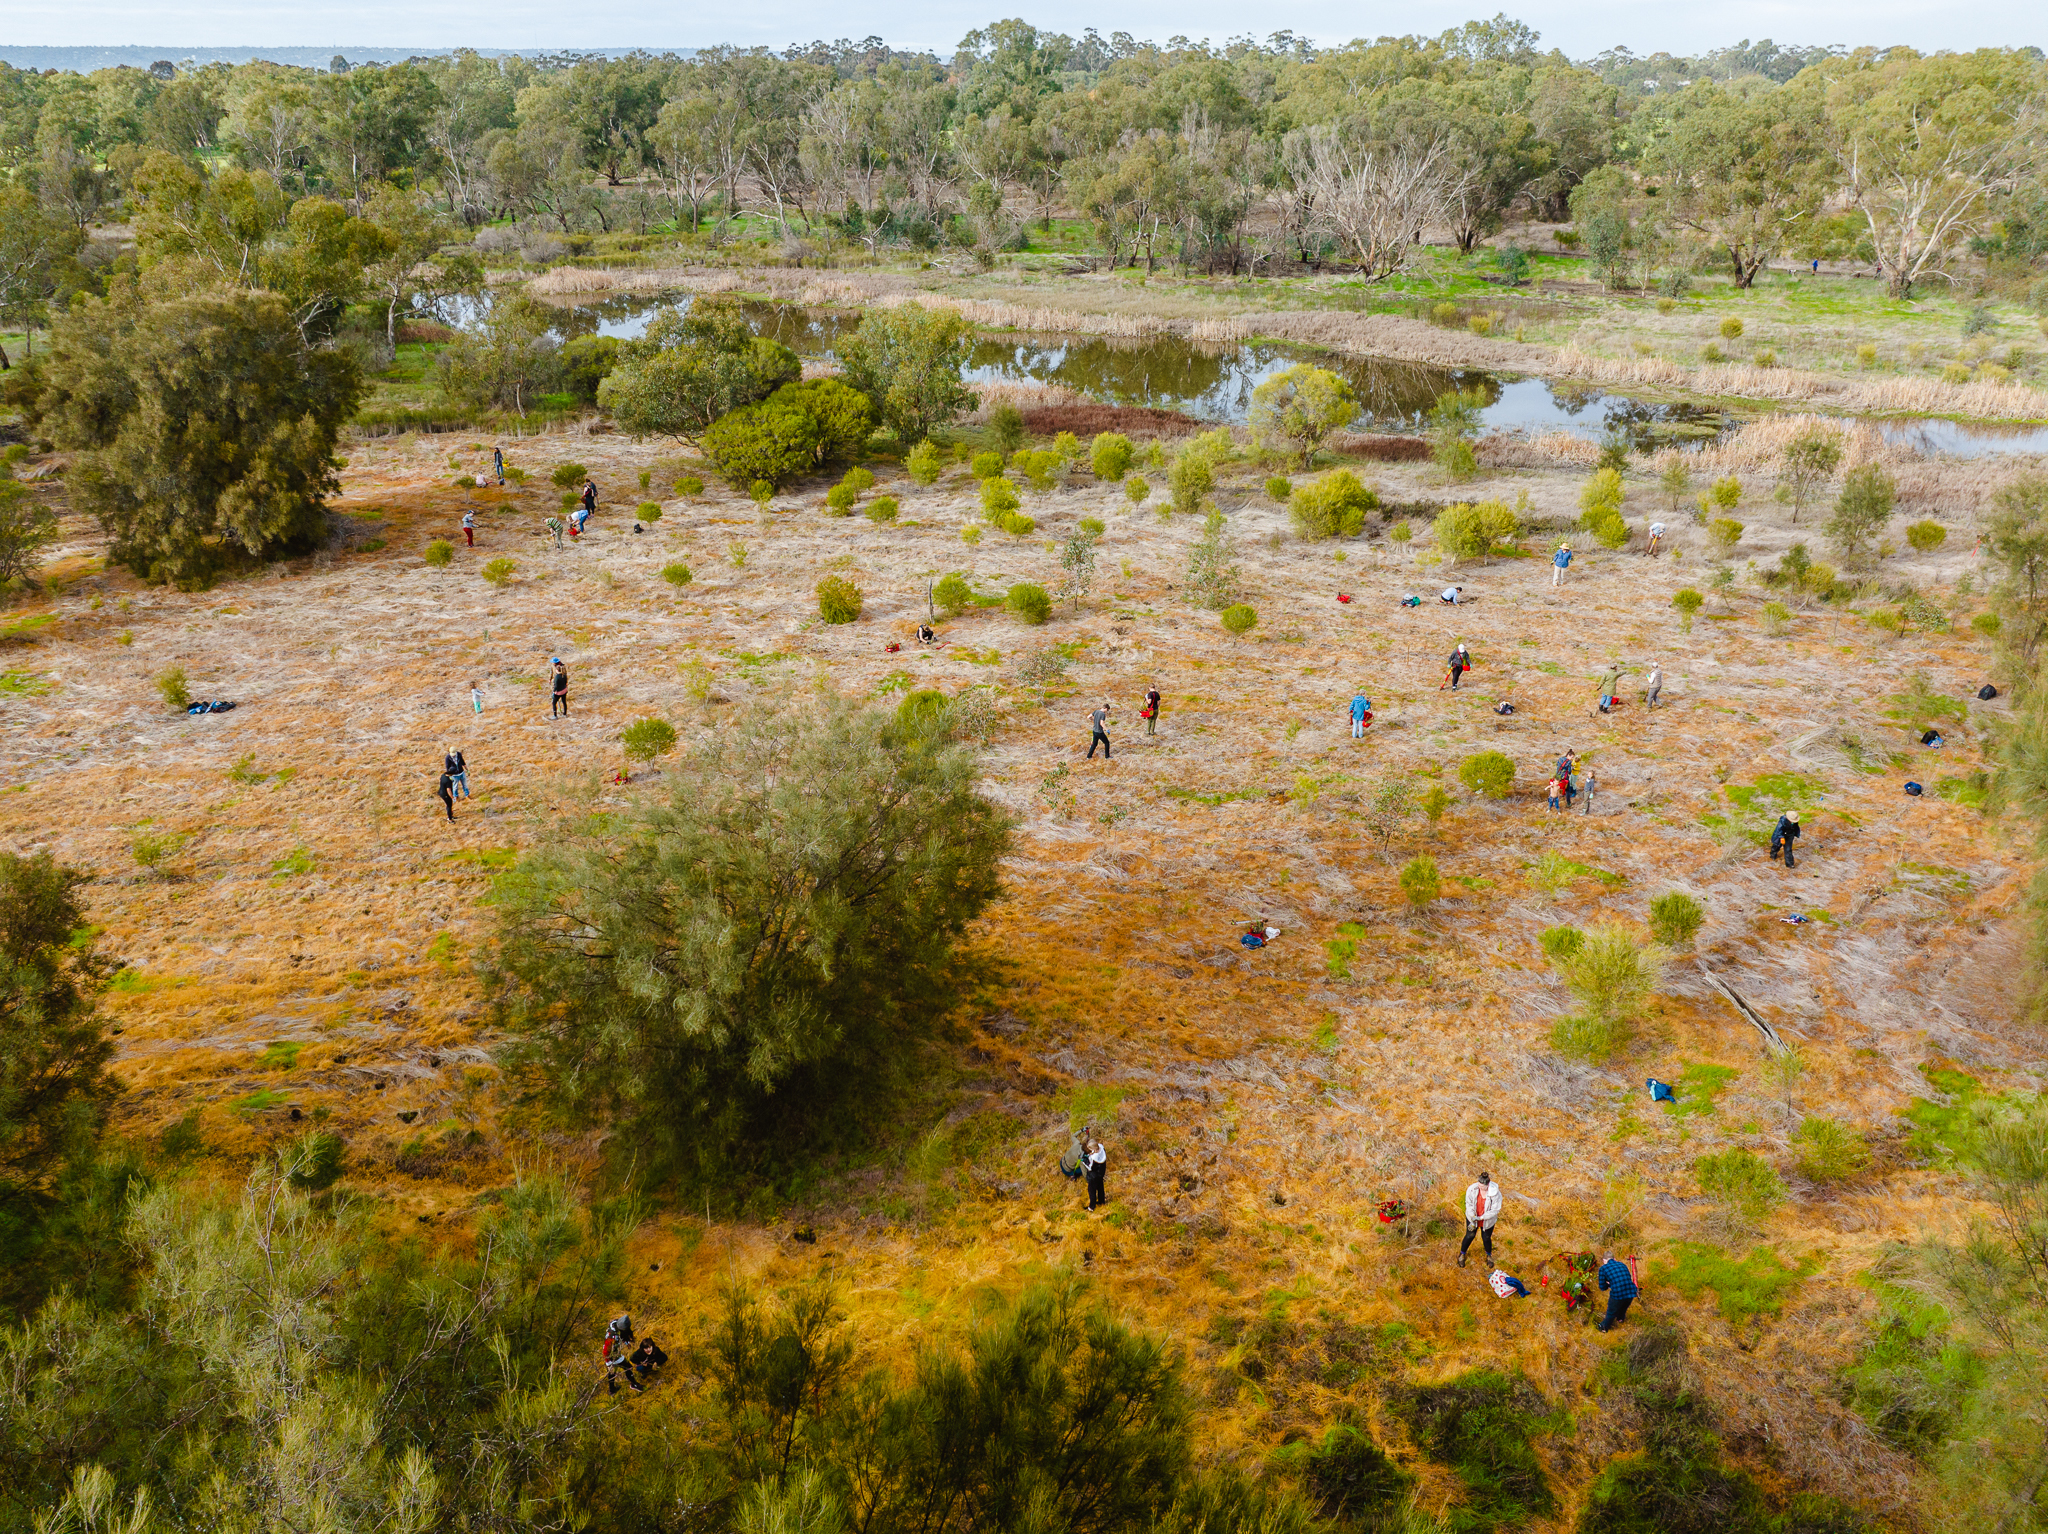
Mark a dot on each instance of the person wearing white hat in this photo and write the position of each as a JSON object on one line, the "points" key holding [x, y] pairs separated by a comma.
{"points": [[1783, 835], [1559, 563]]}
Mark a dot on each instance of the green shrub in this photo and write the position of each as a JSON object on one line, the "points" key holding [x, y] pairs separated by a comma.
{"points": [[645, 739], [839, 500], [1420, 882], [1675, 918], [319, 1167], [1136, 490], [923, 463], [1111, 456], [1067, 447], [999, 496], [1776, 616], [985, 465], [1094, 527], [1725, 493], [648, 511], [1712, 353], [761, 492], [569, 475], [170, 686], [465, 482], [1726, 533], [1006, 428], [499, 571], [1037, 465], [953, 593], [1434, 803], [1488, 773], [1611, 976], [676, 574], [1561, 943], [1190, 479], [1926, 535], [794, 431], [1332, 506], [1016, 524], [1605, 490], [859, 479], [1480, 1425], [1731, 328], [1240, 618], [439, 552], [1742, 1180], [1688, 602], [839, 599], [1828, 1151], [1466, 531], [1401, 532], [1297, 408], [1606, 524], [1029, 602], [646, 478], [1756, 1285], [882, 508], [1353, 1481], [1279, 488], [1987, 624]]}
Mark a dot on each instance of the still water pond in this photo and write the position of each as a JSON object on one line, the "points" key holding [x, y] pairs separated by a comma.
{"points": [[1215, 382]]}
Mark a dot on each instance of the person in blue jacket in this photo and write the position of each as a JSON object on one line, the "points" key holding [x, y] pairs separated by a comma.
{"points": [[1361, 715], [1620, 1285], [1560, 562]]}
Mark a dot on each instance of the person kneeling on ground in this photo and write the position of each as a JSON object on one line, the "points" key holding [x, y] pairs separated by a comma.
{"points": [[1620, 1285], [618, 1359], [926, 634]]}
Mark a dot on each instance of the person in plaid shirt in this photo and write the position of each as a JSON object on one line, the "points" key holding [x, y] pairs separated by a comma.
{"points": [[1620, 1285]]}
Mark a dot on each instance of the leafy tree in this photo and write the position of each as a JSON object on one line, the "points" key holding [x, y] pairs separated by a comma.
{"points": [[776, 935], [417, 268], [1861, 511], [2017, 538], [509, 357], [908, 362], [1453, 423], [691, 369], [1300, 407], [1809, 462], [1924, 143], [27, 526], [1077, 566], [1742, 170], [38, 257], [200, 426], [1214, 580]]}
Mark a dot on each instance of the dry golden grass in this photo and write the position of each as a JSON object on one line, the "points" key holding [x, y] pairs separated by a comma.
{"points": [[1266, 1103]]}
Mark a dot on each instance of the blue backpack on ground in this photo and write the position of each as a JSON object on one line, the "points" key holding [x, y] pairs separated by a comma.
{"points": [[1660, 1092]]}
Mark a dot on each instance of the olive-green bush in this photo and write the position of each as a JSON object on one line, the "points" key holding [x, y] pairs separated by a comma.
{"points": [[1332, 506], [1029, 602], [839, 600]]}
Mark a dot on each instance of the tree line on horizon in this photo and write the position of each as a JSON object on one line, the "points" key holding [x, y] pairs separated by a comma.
{"points": [[1250, 157]]}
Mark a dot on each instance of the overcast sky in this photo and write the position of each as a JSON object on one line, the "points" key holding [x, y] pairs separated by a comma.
{"points": [[1581, 29]]}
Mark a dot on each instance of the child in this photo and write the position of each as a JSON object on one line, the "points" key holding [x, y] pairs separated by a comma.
{"points": [[476, 698], [1556, 794]]}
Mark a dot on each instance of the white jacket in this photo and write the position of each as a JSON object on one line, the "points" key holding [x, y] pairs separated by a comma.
{"points": [[1482, 1204]]}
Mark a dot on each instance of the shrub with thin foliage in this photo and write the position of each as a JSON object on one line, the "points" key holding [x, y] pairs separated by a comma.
{"points": [[1828, 1151], [499, 571], [646, 739], [1467, 531], [953, 593], [923, 464], [677, 574], [1861, 511], [999, 496], [1611, 975], [1420, 882], [839, 600], [170, 686], [1675, 918], [642, 974], [1726, 533], [883, 508], [1279, 488], [1688, 602], [1742, 1180], [1137, 491], [1296, 409], [567, 476], [1240, 618], [1926, 535], [439, 552]]}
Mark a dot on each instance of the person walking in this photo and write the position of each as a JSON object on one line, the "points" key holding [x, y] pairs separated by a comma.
{"points": [[469, 528], [1586, 791], [1608, 683], [498, 465], [1459, 663], [1482, 1209], [1652, 685], [1100, 720], [1620, 1285], [1152, 711], [1560, 562], [1098, 1172], [1566, 766], [457, 770], [1361, 715], [446, 790], [476, 699], [560, 705], [1783, 835]]}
